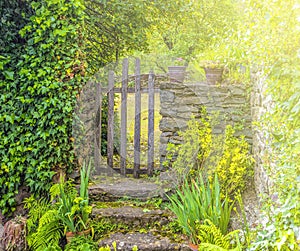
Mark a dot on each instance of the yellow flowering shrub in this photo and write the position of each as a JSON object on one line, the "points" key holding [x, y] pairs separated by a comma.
{"points": [[190, 156], [205, 153], [234, 165]]}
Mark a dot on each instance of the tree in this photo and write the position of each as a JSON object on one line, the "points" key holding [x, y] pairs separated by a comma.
{"points": [[184, 28], [114, 29]]}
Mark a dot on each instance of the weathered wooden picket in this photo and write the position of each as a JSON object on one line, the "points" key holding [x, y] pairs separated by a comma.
{"points": [[124, 90]]}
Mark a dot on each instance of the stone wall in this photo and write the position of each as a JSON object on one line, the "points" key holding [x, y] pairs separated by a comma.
{"points": [[260, 103], [179, 101]]}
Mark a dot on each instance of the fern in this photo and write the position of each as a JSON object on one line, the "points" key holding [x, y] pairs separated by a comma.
{"points": [[37, 208], [48, 232], [210, 236]]}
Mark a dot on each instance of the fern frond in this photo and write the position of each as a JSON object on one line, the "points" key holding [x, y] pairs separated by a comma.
{"points": [[209, 233], [37, 209], [48, 232], [48, 217], [211, 238]]}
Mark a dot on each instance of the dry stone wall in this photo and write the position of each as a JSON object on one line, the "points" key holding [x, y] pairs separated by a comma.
{"points": [[260, 104], [180, 101]]}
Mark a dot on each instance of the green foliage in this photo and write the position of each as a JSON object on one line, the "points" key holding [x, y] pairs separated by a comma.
{"points": [[49, 231], [234, 166], [74, 210], [52, 248], [81, 243], [107, 248], [37, 99], [115, 28], [280, 228], [273, 46], [193, 153], [37, 208], [184, 28], [211, 237], [104, 227], [67, 212], [78, 243], [196, 201], [227, 156]]}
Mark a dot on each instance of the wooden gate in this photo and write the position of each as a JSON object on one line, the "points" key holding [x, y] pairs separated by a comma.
{"points": [[124, 90]]}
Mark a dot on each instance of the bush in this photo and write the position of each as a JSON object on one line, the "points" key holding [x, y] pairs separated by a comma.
{"points": [[234, 166], [190, 157], [202, 152]]}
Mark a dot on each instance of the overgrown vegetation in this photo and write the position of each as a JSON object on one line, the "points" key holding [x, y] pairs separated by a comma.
{"points": [[43, 55], [274, 49], [203, 152], [203, 206], [42, 63], [194, 203], [66, 211]]}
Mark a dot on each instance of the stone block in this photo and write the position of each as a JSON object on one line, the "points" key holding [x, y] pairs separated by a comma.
{"points": [[168, 113], [164, 140], [167, 124], [166, 96]]}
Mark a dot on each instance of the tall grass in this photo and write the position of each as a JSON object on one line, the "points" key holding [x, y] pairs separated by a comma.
{"points": [[196, 201]]}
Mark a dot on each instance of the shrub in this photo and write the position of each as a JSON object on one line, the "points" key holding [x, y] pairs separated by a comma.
{"points": [[191, 156], [234, 166], [202, 152], [67, 212]]}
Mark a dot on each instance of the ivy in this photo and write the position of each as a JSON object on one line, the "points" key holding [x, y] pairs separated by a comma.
{"points": [[41, 75]]}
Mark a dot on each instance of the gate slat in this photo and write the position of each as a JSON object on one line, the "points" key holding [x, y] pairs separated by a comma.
{"points": [[124, 116], [97, 136], [110, 118], [137, 123], [151, 124]]}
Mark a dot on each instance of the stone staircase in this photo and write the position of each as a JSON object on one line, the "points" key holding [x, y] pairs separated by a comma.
{"points": [[124, 216]]}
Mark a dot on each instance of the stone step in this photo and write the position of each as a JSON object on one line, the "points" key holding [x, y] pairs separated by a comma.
{"points": [[144, 242], [131, 217], [114, 188], [134, 217]]}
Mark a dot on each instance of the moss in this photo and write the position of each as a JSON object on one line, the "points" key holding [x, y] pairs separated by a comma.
{"points": [[105, 227], [149, 204]]}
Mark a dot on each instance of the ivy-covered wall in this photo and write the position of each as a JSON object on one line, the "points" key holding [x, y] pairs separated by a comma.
{"points": [[42, 64]]}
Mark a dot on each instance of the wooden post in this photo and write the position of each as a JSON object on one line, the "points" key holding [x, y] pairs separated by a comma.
{"points": [[110, 123], [97, 136], [137, 122], [124, 116], [151, 124]]}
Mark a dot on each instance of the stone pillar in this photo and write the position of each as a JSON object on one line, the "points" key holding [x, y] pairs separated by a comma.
{"points": [[260, 104]]}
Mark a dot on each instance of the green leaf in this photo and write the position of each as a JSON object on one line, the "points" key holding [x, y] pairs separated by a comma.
{"points": [[9, 75]]}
